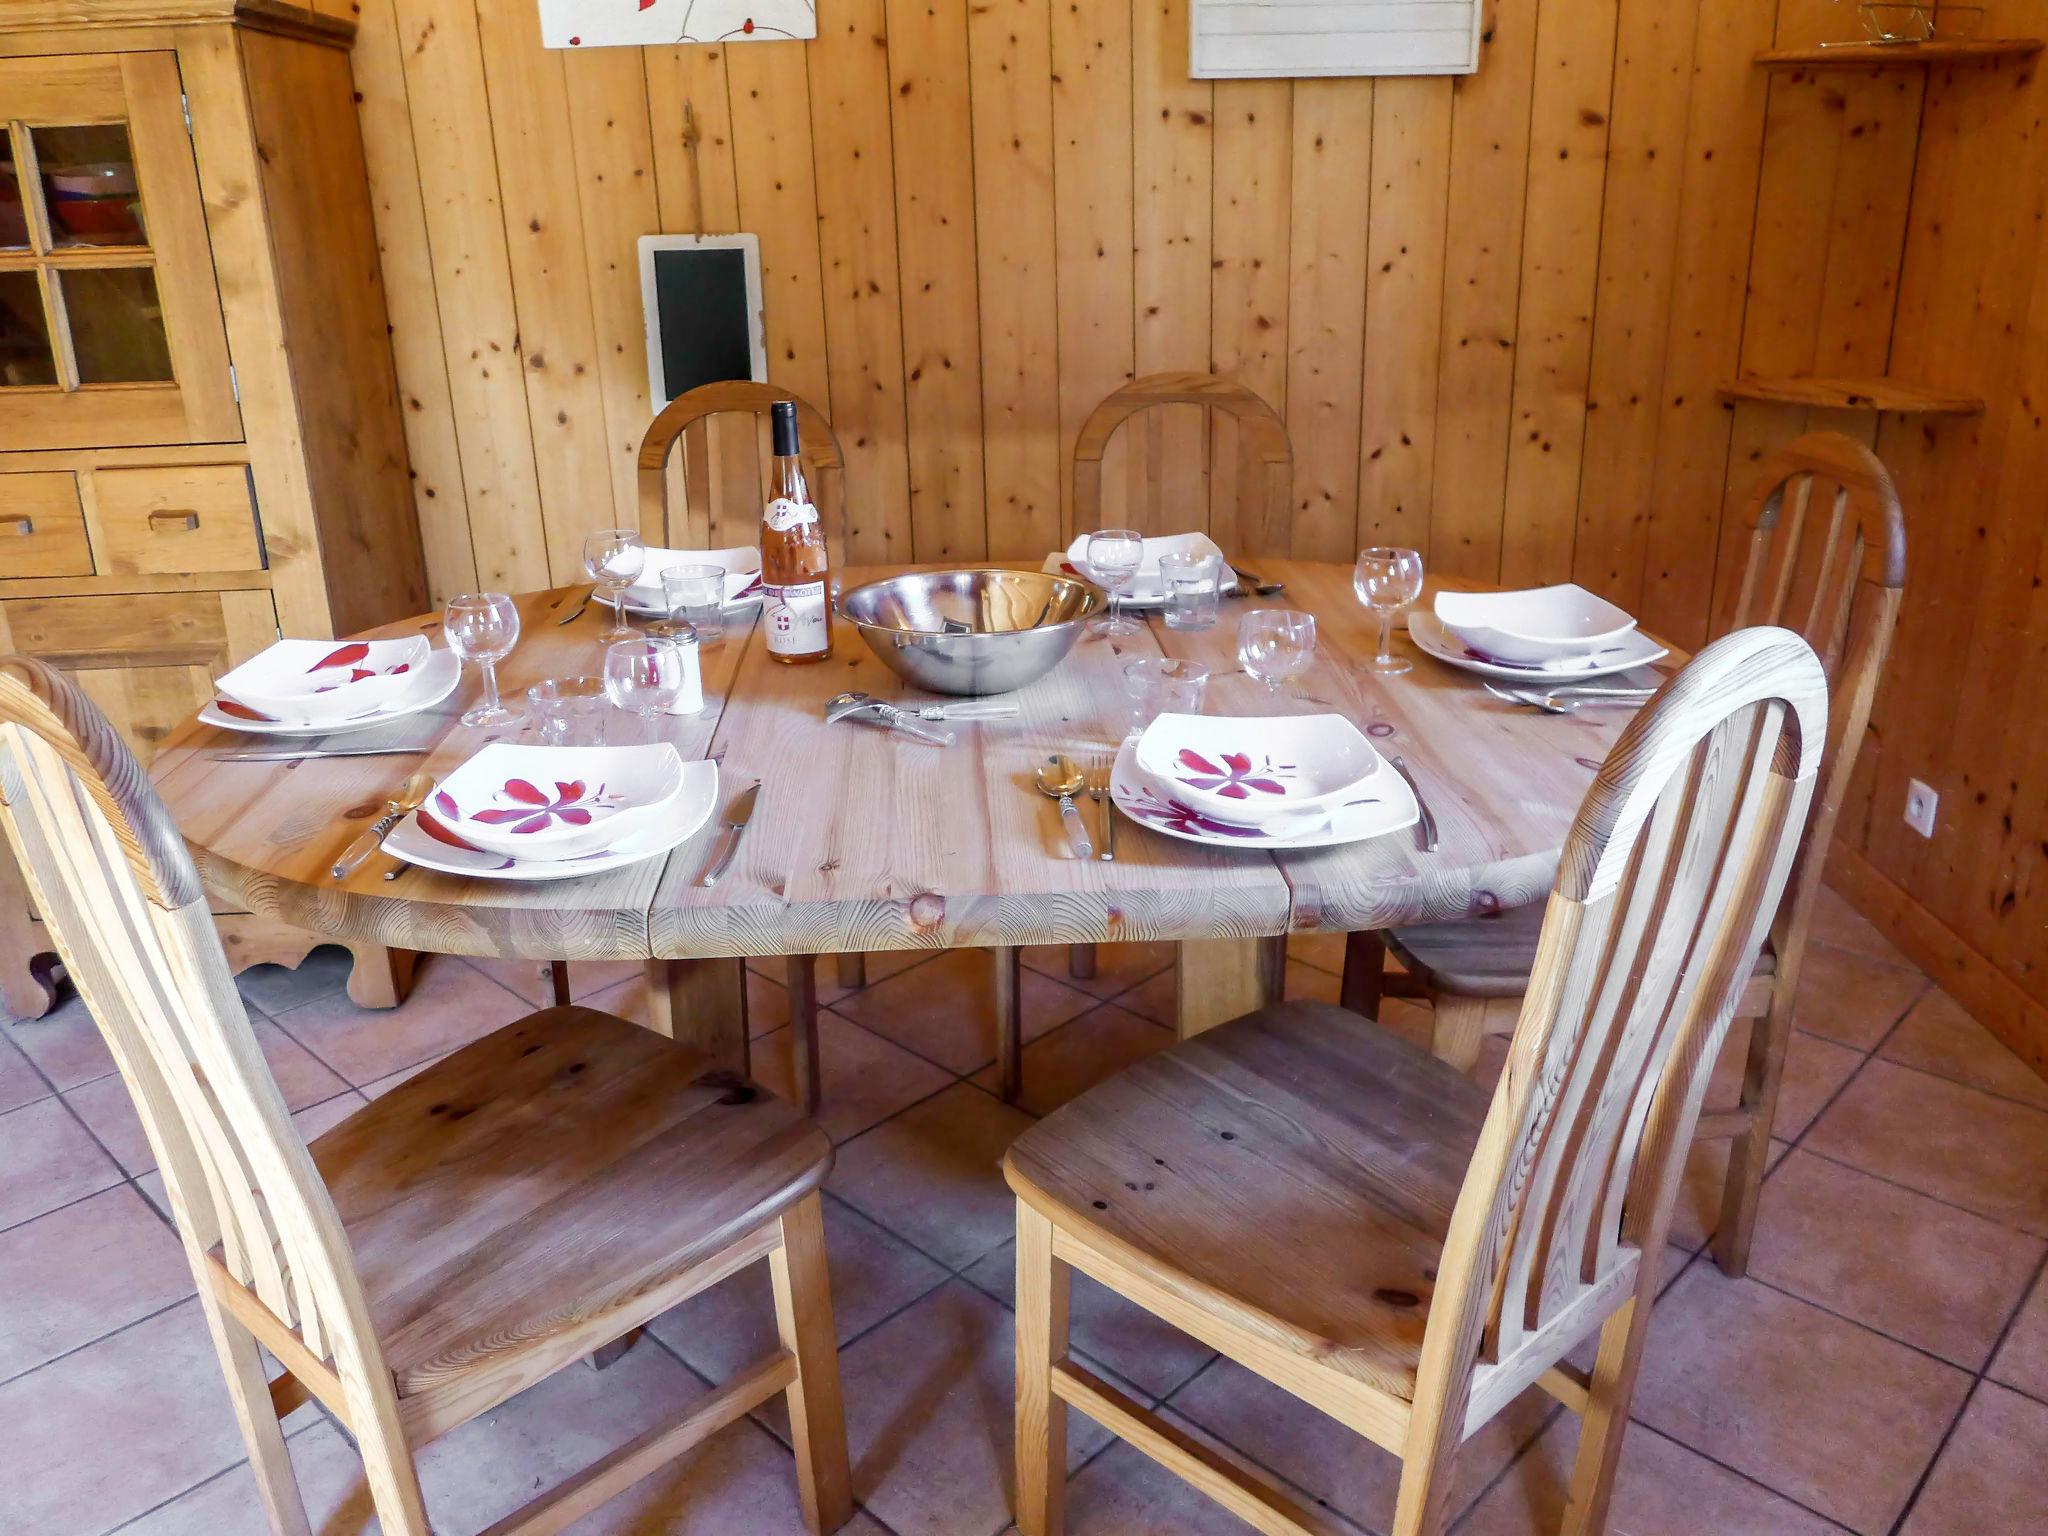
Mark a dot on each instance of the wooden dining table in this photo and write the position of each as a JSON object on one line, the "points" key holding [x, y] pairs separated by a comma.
{"points": [[865, 839]]}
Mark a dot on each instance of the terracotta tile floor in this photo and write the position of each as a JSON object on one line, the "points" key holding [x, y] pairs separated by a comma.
{"points": [[1883, 1369]]}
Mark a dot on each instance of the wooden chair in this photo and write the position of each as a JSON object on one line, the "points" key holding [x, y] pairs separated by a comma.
{"points": [[1260, 520], [825, 465], [1827, 556], [1361, 1224], [509, 1210]]}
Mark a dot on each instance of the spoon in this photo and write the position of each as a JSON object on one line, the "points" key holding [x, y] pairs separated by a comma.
{"points": [[1061, 780], [409, 798]]}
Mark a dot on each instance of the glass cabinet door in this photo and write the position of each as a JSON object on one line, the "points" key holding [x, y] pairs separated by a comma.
{"points": [[110, 330]]}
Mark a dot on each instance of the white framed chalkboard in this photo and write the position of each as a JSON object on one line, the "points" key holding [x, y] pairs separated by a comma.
{"points": [[702, 298], [1231, 39]]}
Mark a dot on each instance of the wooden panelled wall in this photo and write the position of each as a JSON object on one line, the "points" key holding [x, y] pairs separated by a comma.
{"points": [[1493, 311]]}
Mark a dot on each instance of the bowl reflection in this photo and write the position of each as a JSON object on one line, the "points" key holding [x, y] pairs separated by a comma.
{"points": [[972, 631]]}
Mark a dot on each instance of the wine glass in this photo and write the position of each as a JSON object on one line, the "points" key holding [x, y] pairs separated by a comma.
{"points": [[645, 676], [612, 557], [1114, 555], [1387, 580], [483, 627], [1275, 645]]}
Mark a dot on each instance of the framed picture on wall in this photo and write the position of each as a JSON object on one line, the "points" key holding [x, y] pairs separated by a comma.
{"points": [[658, 23], [1232, 39], [702, 299]]}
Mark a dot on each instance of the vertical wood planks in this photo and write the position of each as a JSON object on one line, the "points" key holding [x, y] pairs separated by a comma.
{"points": [[1333, 144], [928, 74], [863, 303], [1404, 307]]}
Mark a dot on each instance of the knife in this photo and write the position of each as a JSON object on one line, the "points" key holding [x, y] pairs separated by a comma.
{"points": [[411, 795], [280, 755], [737, 815], [577, 612], [1425, 829]]}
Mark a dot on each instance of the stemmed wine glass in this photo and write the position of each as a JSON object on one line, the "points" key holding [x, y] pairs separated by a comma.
{"points": [[612, 558], [483, 627], [1276, 645], [645, 676], [1114, 555], [1387, 580]]}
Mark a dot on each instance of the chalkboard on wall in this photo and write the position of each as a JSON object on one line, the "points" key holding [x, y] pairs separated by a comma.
{"points": [[702, 298]]}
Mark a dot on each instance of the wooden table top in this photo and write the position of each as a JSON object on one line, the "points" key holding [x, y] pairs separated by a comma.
{"points": [[867, 840]]}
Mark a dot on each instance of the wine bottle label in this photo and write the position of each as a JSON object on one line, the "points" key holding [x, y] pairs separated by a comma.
{"points": [[782, 514], [795, 616]]}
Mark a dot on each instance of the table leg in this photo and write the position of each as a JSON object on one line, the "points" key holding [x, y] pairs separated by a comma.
{"points": [[381, 977], [1221, 979], [701, 1004]]}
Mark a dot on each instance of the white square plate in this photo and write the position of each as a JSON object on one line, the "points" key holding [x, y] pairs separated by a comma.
{"points": [[323, 682]]}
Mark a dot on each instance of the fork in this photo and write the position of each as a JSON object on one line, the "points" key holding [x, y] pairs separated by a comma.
{"points": [[1098, 791]]}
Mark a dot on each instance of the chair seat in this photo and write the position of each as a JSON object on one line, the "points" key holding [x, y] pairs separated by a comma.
{"points": [[1493, 956], [1293, 1171], [564, 1167]]}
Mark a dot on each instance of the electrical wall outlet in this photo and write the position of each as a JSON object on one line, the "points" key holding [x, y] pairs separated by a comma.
{"points": [[1921, 804]]}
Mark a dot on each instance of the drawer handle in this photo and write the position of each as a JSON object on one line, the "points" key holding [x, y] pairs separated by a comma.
{"points": [[174, 519], [24, 526]]}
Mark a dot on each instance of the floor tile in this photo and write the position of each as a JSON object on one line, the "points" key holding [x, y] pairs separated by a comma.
{"points": [[65, 1043], [47, 1159], [1896, 1261], [383, 1085], [1988, 1480], [1324, 951], [945, 1010], [1332, 1463], [865, 1078], [1939, 1037], [533, 980], [20, 1083], [1815, 1070], [1851, 999], [1306, 984], [1079, 1054], [1123, 1492], [877, 966], [450, 1005], [1118, 967], [1829, 1414], [930, 1398], [1955, 1143], [933, 1175], [1660, 1487], [873, 1274], [1837, 923], [1152, 1355], [76, 1274], [274, 988], [1157, 998], [2022, 1361], [1703, 1187], [153, 1391]]}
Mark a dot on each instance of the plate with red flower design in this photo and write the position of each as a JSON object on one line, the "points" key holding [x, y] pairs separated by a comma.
{"points": [[1248, 769], [422, 688], [425, 840], [324, 682], [1382, 804], [546, 802]]}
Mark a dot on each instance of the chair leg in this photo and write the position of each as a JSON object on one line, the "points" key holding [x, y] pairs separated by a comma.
{"points": [[277, 1486], [1043, 1284], [1769, 1038], [1081, 961], [803, 1317], [853, 970], [1009, 1022], [1606, 1420], [558, 979], [802, 977], [1365, 973], [1458, 1030]]}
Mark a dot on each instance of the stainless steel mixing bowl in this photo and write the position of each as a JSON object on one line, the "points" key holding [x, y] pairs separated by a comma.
{"points": [[972, 631]]}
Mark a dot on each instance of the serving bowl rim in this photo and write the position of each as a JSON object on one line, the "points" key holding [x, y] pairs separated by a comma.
{"points": [[1098, 600]]}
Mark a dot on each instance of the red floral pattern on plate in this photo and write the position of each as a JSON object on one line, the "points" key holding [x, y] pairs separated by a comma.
{"points": [[531, 809], [1234, 778], [351, 656]]}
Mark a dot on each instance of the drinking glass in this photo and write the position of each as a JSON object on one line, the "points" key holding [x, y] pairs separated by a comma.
{"points": [[1162, 685], [1191, 581], [1276, 645], [612, 557], [483, 627], [1114, 555], [1387, 580], [569, 711], [695, 598], [646, 676]]}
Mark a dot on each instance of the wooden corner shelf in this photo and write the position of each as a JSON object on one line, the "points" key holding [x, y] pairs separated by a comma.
{"points": [[1962, 50], [1854, 395]]}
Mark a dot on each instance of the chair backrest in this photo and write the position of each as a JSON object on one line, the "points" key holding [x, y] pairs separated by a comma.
{"points": [[1827, 558], [1669, 875], [124, 904], [718, 506], [1258, 519]]}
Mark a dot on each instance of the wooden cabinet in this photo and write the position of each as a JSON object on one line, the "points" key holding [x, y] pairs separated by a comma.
{"points": [[200, 433]]}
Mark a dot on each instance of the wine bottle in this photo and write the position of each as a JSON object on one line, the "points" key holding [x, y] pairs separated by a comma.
{"points": [[793, 560]]}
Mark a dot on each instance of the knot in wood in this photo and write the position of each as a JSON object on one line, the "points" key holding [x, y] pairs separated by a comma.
{"points": [[927, 911]]}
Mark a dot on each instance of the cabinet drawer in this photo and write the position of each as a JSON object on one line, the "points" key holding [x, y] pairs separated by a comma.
{"points": [[42, 529], [175, 521]]}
